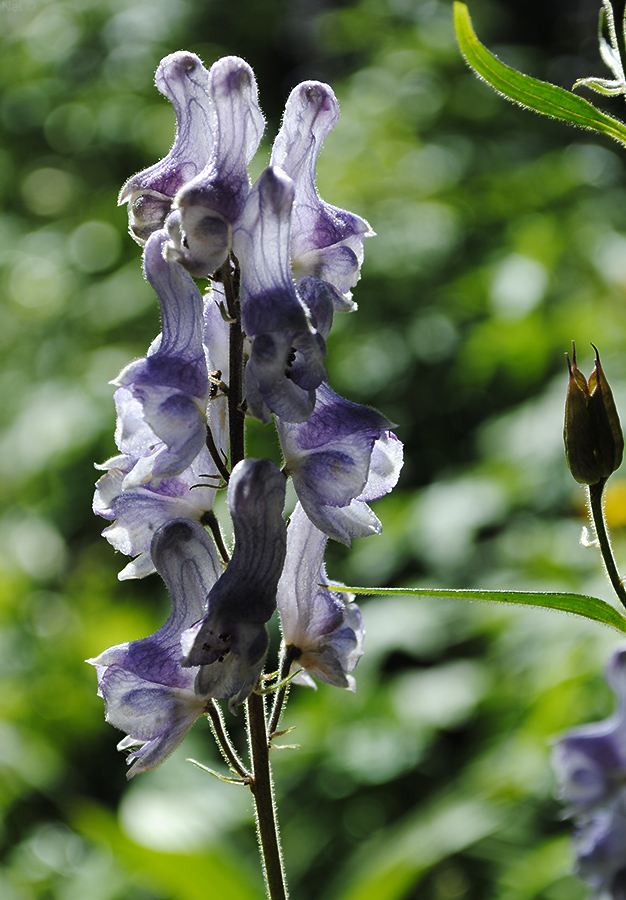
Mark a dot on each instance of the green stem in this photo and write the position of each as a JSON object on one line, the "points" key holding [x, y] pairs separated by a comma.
{"points": [[596, 507], [263, 793], [288, 657], [261, 779]]}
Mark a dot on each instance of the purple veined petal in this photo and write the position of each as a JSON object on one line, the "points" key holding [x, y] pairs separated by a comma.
{"points": [[207, 207], [181, 78], [324, 625], [319, 299], [139, 512], [327, 242], [177, 359], [147, 691], [230, 643], [269, 302]]}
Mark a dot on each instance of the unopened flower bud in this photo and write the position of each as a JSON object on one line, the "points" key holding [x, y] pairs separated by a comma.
{"points": [[594, 441]]}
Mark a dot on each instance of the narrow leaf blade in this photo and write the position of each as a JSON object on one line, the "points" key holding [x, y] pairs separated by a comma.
{"points": [[576, 604], [540, 96]]}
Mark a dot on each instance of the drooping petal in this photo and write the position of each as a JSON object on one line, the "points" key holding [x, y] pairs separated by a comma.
{"points": [[206, 208], [330, 457], [147, 691], [181, 78], [323, 625], [230, 643], [327, 242]]}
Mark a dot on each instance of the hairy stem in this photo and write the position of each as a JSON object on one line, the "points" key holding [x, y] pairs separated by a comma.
{"points": [[263, 793], [596, 508], [223, 741], [288, 656]]}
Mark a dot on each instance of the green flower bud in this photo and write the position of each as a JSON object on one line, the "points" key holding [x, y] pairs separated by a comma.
{"points": [[594, 441]]}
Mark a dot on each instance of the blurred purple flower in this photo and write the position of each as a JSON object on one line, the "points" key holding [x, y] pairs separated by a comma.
{"points": [[322, 627]]}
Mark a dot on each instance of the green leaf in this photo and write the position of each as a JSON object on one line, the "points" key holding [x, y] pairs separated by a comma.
{"points": [[531, 93], [576, 604]]}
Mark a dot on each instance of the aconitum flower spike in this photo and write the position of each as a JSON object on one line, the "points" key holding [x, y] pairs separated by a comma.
{"points": [[322, 628], [181, 78], [326, 242], [343, 456], [230, 642], [207, 207], [147, 691], [286, 359], [172, 381]]}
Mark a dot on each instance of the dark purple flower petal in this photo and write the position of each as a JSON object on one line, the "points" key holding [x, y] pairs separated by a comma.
{"points": [[231, 641]]}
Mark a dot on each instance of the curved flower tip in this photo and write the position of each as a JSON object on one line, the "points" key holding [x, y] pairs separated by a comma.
{"points": [[206, 208], [147, 691], [327, 242], [322, 628], [230, 642], [183, 79], [343, 456]]}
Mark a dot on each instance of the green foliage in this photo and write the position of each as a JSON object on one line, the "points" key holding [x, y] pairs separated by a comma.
{"points": [[500, 238]]}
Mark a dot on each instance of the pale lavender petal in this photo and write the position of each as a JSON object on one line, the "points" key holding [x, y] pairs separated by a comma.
{"points": [[147, 692], [206, 208], [343, 523], [327, 242], [181, 78], [230, 643], [138, 512], [324, 625], [385, 466]]}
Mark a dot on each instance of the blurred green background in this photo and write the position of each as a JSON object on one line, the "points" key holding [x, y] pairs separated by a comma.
{"points": [[501, 237]]}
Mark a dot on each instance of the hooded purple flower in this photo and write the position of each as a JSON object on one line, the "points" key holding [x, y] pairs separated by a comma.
{"points": [[206, 208], [171, 383], [322, 627], [230, 642], [343, 456], [181, 78], [147, 691], [326, 242], [286, 359]]}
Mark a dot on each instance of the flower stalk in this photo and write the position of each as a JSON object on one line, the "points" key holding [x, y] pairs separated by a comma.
{"points": [[596, 510]]}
